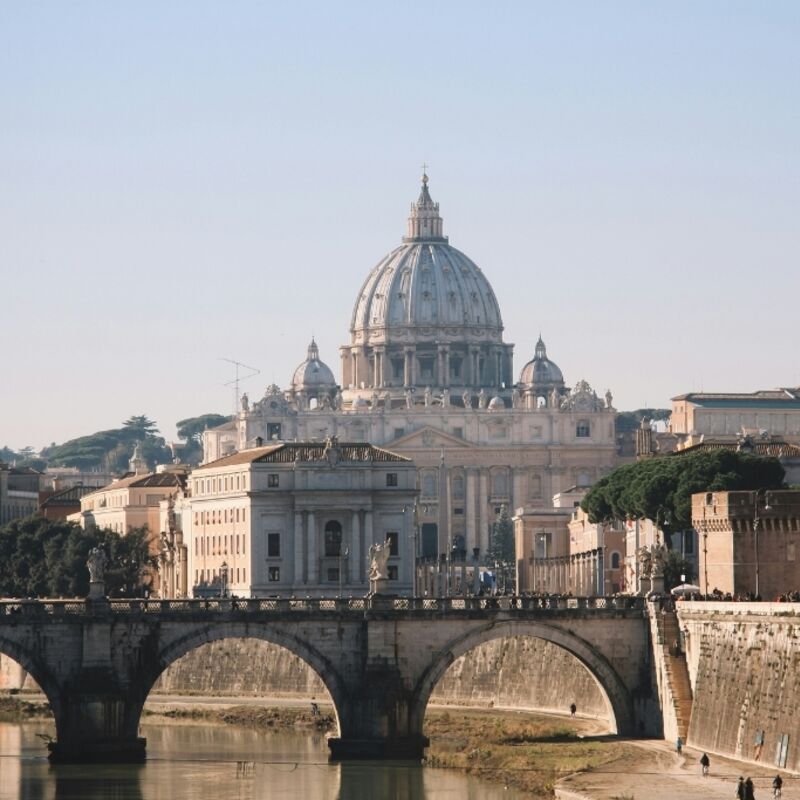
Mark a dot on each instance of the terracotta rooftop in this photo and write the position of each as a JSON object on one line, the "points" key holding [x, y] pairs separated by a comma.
{"points": [[757, 448], [289, 452], [782, 397], [69, 496], [151, 479]]}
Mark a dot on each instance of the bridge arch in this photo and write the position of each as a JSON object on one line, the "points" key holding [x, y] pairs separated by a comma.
{"points": [[43, 676], [617, 695], [192, 637]]}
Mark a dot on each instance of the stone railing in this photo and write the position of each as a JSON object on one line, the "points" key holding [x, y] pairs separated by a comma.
{"points": [[318, 605]]}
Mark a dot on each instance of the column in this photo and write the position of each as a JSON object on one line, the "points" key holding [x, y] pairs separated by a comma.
{"points": [[446, 367], [517, 489], [375, 365], [483, 519], [355, 548], [407, 355], [313, 560], [469, 505], [298, 548], [295, 571], [368, 540]]}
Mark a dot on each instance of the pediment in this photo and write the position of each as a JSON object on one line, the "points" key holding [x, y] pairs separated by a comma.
{"points": [[427, 437]]}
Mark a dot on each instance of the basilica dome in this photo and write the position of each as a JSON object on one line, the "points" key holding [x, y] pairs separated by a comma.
{"points": [[313, 374], [425, 316], [426, 288], [540, 372]]}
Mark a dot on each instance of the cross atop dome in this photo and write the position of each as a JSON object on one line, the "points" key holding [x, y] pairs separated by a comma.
{"points": [[424, 223]]}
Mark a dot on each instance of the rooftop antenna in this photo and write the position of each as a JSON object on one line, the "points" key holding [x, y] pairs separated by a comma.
{"points": [[252, 372]]}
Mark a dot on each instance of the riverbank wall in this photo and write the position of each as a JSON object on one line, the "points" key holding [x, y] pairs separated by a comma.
{"points": [[744, 668]]}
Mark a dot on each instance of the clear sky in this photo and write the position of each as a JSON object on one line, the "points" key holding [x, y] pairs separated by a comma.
{"points": [[184, 182]]}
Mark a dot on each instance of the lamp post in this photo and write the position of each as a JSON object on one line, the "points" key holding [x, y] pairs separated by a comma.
{"points": [[664, 522], [344, 552], [223, 579], [761, 494]]}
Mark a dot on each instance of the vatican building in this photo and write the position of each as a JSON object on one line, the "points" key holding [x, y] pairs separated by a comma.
{"points": [[426, 374]]}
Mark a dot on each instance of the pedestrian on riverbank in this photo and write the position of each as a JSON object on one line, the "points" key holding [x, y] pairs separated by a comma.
{"points": [[704, 764], [777, 785], [572, 709], [679, 745], [749, 793], [740, 790]]}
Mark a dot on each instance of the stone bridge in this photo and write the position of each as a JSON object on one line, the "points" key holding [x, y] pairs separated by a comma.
{"points": [[379, 657]]}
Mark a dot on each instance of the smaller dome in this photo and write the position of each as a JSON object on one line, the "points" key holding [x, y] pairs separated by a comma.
{"points": [[313, 374], [540, 372], [497, 404]]}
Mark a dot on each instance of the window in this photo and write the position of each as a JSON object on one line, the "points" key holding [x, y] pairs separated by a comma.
{"points": [[273, 431], [459, 432], [615, 561], [398, 432], [429, 485], [392, 572], [332, 574], [273, 545], [455, 367], [394, 543], [391, 479], [458, 487], [582, 430], [398, 368], [273, 480], [333, 539], [458, 512], [273, 574]]}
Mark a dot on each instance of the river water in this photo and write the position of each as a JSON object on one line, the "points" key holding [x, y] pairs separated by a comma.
{"points": [[214, 762]]}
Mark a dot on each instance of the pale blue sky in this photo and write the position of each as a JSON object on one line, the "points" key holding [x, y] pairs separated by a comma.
{"points": [[186, 181]]}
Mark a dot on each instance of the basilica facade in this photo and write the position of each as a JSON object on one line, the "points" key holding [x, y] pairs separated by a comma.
{"points": [[427, 374]]}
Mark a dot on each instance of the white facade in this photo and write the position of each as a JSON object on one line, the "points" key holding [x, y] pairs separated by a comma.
{"points": [[299, 519]]}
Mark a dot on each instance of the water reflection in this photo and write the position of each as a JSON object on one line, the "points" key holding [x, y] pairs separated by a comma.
{"points": [[209, 762]]}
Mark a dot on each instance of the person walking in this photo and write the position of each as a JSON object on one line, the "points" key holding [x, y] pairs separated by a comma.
{"points": [[572, 709], [777, 785], [740, 790], [704, 763], [679, 745], [749, 794]]}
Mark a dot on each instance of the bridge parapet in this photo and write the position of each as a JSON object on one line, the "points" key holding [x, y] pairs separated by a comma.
{"points": [[10, 610]]}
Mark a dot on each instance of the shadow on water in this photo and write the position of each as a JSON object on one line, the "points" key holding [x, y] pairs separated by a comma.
{"points": [[100, 782], [401, 781]]}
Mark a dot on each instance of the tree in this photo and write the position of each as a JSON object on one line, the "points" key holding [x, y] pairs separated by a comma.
{"points": [[501, 544], [191, 428], [191, 431], [630, 420], [139, 427], [47, 558], [664, 486]]}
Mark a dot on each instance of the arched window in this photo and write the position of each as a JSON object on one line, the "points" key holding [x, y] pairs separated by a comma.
{"points": [[615, 561], [582, 429], [500, 484], [458, 487], [333, 539], [535, 486], [429, 485]]}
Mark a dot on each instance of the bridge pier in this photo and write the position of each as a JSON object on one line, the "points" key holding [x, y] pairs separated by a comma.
{"points": [[96, 726], [378, 723]]}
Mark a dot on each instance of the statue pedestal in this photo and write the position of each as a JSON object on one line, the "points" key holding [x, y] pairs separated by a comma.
{"points": [[378, 586], [657, 584], [97, 590]]}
